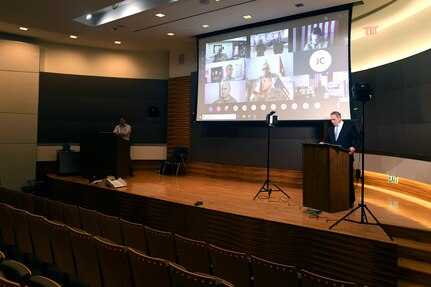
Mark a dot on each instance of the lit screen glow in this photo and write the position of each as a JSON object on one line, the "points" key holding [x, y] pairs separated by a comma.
{"points": [[298, 68]]}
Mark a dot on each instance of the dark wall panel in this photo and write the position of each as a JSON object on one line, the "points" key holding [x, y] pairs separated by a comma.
{"points": [[398, 117], [71, 105]]}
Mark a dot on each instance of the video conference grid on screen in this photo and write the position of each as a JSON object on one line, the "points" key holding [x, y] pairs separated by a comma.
{"points": [[299, 68]]}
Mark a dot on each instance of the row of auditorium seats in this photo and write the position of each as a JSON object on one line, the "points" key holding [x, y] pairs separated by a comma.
{"points": [[147, 244], [93, 260], [16, 274]]}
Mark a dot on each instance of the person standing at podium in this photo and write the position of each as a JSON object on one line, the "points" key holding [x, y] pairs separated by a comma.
{"points": [[345, 134], [123, 129]]}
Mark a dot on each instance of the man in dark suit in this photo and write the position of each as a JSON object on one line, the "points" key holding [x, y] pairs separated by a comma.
{"points": [[345, 134]]}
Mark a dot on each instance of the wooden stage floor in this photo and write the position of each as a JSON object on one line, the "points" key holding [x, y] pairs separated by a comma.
{"points": [[389, 207]]}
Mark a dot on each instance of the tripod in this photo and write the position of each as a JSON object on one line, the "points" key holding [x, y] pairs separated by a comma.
{"points": [[362, 206], [267, 186]]}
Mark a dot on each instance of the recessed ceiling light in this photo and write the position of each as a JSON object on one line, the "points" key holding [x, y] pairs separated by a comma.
{"points": [[118, 42], [88, 17], [247, 16], [205, 26], [23, 28], [171, 34], [160, 15], [73, 36]]}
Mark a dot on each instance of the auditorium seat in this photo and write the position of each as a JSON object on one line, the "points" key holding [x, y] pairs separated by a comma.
{"points": [[41, 281], [6, 227], [71, 215], [11, 197], [61, 249], [55, 210], [16, 274], [310, 279], [84, 251], [90, 221], [134, 235], [180, 277], [3, 195], [39, 205], [192, 254], [148, 271], [21, 231], [114, 263], [160, 244], [230, 265], [40, 239], [110, 228], [26, 201], [267, 273], [7, 283], [15, 271]]}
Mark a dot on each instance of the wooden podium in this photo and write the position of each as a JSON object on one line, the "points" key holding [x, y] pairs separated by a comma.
{"points": [[104, 154], [325, 172]]}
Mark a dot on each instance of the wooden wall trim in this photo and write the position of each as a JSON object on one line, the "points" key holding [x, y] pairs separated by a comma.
{"points": [[405, 186], [293, 178], [246, 173], [178, 113]]}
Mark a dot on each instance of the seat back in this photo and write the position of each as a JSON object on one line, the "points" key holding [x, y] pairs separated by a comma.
{"points": [[6, 226], [61, 247], [41, 281], [21, 230], [148, 271], [177, 159], [71, 215], [192, 254], [114, 263], [55, 210], [15, 271], [230, 265], [26, 201], [134, 235], [310, 279], [110, 228], [39, 205], [39, 237], [11, 197], [84, 251], [180, 277], [90, 221], [7, 283], [3, 195], [179, 154], [267, 273], [160, 244]]}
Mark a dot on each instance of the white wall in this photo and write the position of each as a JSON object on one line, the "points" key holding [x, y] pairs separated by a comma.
{"points": [[77, 60], [189, 54], [48, 152], [416, 170], [19, 94]]}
